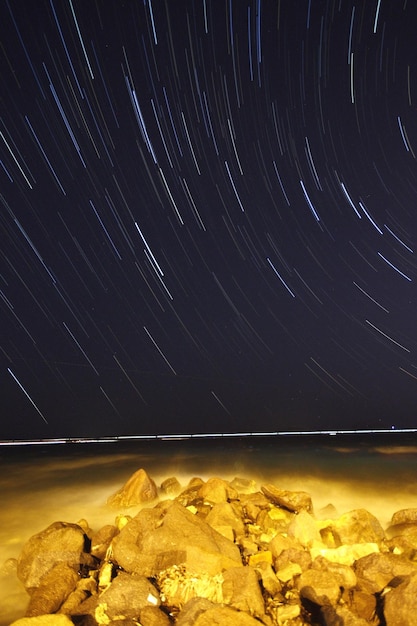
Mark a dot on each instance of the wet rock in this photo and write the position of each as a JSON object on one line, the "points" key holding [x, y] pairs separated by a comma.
{"points": [[400, 603], [138, 489], [157, 539], [54, 588], [378, 570], [60, 542], [358, 526], [241, 590], [292, 500]]}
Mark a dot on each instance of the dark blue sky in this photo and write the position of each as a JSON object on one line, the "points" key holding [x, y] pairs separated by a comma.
{"points": [[208, 216]]}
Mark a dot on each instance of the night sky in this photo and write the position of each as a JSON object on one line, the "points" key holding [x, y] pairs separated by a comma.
{"points": [[208, 216]]}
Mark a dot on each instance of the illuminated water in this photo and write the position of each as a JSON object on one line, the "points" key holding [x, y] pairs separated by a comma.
{"points": [[43, 484]]}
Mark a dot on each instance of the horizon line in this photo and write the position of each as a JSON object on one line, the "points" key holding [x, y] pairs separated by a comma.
{"points": [[180, 436]]}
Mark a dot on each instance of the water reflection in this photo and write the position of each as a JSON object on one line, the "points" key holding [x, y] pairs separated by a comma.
{"points": [[40, 485]]}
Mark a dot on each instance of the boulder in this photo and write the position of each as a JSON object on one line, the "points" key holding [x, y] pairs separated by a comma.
{"points": [[217, 490], [292, 500], [319, 587], [60, 542], [170, 486], [358, 526], [400, 603], [404, 516], [361, 603], [241, 590], [54, 588], [269, 579], [343, 574], [378, 570], [138, 489], [303, 527], [224, 517], [159, 538], [127, 595]]}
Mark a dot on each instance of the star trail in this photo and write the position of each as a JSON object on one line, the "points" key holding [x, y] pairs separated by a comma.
{"points": [[208, 216]]}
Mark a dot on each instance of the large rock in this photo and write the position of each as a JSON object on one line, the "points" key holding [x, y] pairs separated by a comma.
{"points": [[241, 590], [138, 489], [400, 603], [224, 517], [217, 490], [319, 587], [159, 538], [378, 570], [292, 500], [60, 542], [303, 527], [358, 526], [127, 595], [404, 516], [53, 590]]}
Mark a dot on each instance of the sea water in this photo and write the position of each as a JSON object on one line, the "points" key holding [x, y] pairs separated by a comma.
{"points": [[69, 482]]}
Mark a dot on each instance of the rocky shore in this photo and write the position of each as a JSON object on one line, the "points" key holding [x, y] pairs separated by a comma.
{"points": [[217, 552]]}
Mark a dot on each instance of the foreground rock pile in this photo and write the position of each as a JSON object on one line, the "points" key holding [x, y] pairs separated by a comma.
{"points": [[224, 553]]}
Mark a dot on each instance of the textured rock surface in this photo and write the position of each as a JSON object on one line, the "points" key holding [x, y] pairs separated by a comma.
{"points": [[291, 500], [59, 542], [53, 590], [155, 540], [139, 488], [400, 603]]}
